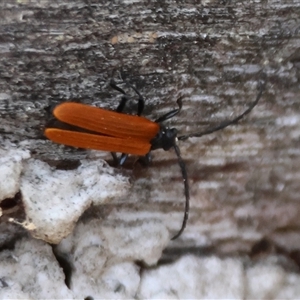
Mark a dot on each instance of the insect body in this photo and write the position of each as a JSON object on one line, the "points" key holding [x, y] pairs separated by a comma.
{"points": [[117, 132]]}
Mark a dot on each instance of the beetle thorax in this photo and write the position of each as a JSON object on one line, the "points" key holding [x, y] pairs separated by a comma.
{"points": [[165, 139]]}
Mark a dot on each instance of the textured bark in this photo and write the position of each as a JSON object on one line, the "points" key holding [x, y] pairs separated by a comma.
{"points": [[244, 180]]}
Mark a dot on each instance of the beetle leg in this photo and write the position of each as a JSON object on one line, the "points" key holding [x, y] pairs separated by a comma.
{"points": [[121, 160]]}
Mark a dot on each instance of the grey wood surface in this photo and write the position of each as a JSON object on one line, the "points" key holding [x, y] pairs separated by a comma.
{"points": [[244, 180]]}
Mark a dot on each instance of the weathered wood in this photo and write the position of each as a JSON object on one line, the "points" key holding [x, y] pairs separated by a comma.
{"points": [[245, 180]]}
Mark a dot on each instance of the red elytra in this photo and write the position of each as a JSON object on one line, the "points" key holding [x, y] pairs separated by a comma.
{"points": [[114, 132]]}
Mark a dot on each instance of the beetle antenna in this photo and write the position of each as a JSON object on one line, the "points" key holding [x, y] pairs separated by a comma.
{"points": [[171, 113], [186, 191], [225, 123]]}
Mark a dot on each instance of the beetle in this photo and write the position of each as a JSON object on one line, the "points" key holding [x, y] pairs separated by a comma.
{"points": [[114, 131]]}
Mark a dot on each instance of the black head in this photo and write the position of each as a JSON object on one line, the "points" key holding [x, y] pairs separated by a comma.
{"points": [[165, 139]]}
